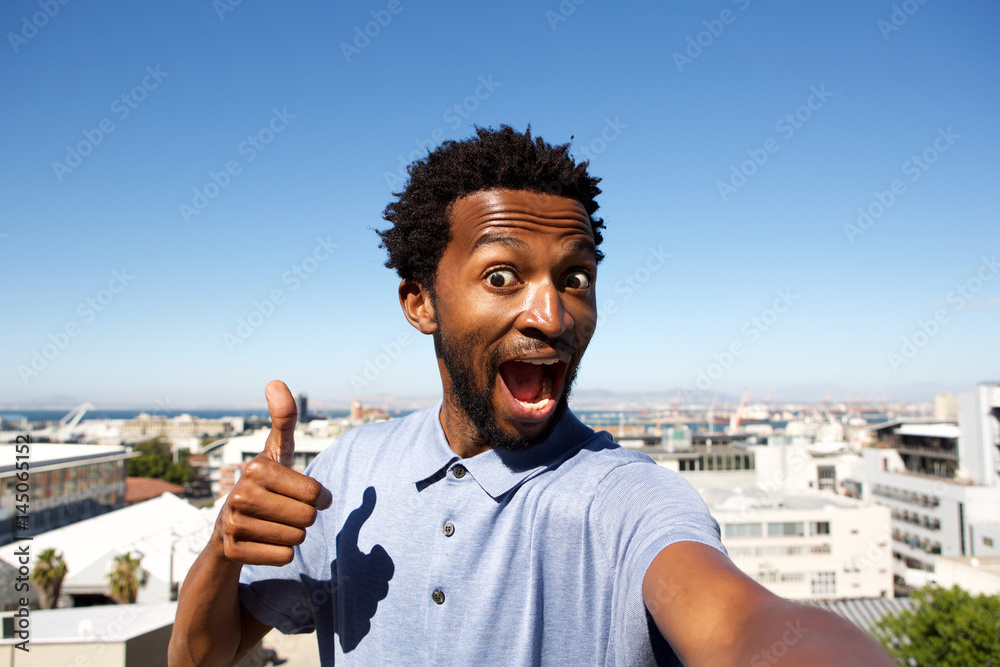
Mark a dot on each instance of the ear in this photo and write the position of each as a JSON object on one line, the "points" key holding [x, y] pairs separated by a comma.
{"points": [[417, 306]]}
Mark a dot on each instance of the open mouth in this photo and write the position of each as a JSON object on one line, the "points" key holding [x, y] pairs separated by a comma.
{"points": [[534, 384]]}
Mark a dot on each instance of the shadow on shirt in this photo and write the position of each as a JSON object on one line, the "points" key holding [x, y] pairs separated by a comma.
{"points": [[362, 579], [348, 600]]}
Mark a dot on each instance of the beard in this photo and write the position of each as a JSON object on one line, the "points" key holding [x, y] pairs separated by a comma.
{"points": [[477, 403]]}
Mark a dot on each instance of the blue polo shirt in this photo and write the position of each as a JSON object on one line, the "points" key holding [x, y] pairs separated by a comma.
{"points": [[503, 558]]}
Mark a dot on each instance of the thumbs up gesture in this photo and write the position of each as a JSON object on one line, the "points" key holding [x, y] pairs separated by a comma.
{"points": [[269, 509]]}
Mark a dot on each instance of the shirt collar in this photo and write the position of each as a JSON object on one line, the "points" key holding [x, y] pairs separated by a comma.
{"points": [[430, 451], [496, 471]]}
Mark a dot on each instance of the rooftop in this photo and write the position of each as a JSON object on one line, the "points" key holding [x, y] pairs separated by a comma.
{"points": [[930, 430], [987, 564], [864, 612], [155, 528], [98, 624], [45, 454], [741, 499], [138, 489]]}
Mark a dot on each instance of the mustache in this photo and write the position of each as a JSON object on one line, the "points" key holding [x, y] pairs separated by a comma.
{"points": [[528, 347]]}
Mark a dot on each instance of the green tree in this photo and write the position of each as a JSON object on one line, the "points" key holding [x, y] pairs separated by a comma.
{"points": [[945, 628], [47, 575], [126, 578], [157, 461]]}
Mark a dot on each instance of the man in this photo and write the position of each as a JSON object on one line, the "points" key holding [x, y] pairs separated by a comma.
{"points": [[494, 528]]}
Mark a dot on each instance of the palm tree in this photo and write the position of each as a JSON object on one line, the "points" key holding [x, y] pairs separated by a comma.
{"points": [[126, 578], [48, 574]]}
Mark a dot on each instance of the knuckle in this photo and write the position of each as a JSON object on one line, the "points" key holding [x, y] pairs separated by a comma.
{"points": [[230, 525], [238, 500]]}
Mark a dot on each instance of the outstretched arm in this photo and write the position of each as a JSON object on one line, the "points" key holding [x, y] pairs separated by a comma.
{"points": [[713, 615]]}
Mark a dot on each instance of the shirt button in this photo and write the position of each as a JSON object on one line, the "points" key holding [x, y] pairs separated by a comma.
{"points": [[459, 471], [449, 529], [438, 596]]}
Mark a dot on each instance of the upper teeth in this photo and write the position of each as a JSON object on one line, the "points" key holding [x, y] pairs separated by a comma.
{"points": [[539, 362]]}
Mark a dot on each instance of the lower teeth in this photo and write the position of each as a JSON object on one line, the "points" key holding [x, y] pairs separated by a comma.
{"points": [[546, 396]]}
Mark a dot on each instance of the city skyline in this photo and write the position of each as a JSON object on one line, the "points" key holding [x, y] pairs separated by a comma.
{"points": [[798, 200]]}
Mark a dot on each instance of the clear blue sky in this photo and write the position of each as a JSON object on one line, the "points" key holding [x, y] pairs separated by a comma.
{"points": [[666, 120]]}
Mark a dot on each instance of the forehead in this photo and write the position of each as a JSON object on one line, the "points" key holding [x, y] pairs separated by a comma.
{"points": [[491, 213]]}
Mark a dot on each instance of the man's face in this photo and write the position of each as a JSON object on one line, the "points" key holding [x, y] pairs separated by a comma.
{"points": [[515, 305]]}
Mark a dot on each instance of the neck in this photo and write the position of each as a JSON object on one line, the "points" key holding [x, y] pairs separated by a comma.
{"points": [[462, 435]]}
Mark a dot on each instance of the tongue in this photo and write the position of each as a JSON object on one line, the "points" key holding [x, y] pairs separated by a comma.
{"points": [[524, 381]]}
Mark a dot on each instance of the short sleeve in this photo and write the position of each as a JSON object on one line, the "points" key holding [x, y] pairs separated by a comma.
{"points": [[296, 597], [641, 508]]}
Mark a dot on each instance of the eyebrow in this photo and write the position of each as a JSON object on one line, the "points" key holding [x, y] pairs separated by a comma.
{"points": [[508, 241], [583, 246], [576, 245]]}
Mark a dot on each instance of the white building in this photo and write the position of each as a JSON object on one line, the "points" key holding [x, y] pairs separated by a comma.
{"points": [[807, 545], [979, 576], [167, 532], [782, 520], [940, 481], [226, 458]]}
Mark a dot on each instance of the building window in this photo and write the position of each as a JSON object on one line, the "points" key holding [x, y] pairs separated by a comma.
{"points": [[827, 477], [788, 529], [988, 541], [819, 528], [824, 583], [743, 530]]}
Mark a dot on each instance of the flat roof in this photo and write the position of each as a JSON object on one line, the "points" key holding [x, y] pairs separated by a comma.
{"points": [[741, 499], [97, 624], [930, 430], [54, 454], [990, 564], [864, 612]]}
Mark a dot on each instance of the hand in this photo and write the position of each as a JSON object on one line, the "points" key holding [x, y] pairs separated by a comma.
{"points": [[269, 509]]}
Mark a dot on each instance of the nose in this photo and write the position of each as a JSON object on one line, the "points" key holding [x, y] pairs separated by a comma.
{"points": [[544, 314]]}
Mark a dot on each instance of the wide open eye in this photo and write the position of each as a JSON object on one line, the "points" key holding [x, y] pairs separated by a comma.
{"points": [[501, 278], [578, 280]]}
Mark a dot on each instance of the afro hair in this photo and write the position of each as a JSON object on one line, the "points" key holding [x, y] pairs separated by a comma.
{"points": [[492, 159]]}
